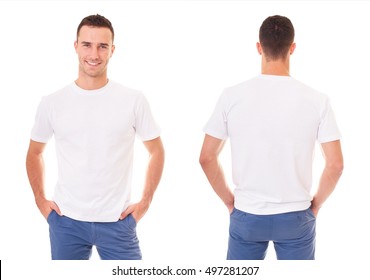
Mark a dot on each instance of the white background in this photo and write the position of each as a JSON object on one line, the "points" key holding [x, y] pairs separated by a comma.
{"points": [[181, 55]]}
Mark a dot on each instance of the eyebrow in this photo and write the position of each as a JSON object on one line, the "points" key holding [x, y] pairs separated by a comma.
{"points": [[99, 44]]}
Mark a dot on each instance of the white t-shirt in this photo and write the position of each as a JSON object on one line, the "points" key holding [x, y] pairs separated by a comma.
{"points": [[94, 134], [273, 123]]}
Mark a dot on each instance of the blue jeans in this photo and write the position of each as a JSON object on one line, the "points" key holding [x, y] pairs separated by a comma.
{"points": [[73, 240], [293, 235]]}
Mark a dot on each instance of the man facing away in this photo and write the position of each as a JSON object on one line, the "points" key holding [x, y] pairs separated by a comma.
{"points": [[273, 122], [94, 121]]}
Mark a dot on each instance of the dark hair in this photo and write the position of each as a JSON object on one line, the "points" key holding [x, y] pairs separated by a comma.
{"points": [[96, 21], [276, 35]]}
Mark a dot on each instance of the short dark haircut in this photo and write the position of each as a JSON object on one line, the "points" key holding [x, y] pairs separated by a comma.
{"points": [[96, 21], [276, 35]]}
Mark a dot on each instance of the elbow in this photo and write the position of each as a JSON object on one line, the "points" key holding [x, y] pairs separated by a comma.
{"points": [[202, 160], [160, 152], [339, 168], [156, 150], [205, 159], [336, 168], [32, 157], [158, 156]]}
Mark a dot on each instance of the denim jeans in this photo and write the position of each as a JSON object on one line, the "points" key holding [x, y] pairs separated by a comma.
{"points": [[73, 240], [293, 235]]}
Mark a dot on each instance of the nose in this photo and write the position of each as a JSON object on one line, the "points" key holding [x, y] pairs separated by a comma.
{"points": [[94, 53]]}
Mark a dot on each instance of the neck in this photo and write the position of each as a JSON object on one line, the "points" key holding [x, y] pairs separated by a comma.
{"points": [[91, 83], [275, 67]]}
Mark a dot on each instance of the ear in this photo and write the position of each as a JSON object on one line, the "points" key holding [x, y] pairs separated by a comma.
{"points": [[112, 50], [75, 45], [259, 48], [292, 48]]}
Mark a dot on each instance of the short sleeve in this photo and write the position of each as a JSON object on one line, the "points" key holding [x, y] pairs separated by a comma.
{"points": [[145, 126], [328, 130], [42, 130], [217, 124]]}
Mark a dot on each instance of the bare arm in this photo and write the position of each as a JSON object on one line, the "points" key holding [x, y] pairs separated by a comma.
{"points": [[332, 153], [36, 175], [152, 179], [212, 168]]}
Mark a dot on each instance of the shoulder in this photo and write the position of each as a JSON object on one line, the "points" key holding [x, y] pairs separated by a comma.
{"points": [[239, 91], [311, 92], [57, 97], [127, 96], [58, 94], [120, 89], [243, 85]]}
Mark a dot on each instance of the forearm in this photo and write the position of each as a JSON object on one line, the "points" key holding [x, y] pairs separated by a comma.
{"points": [[153, 175], [152, 178], [327, 184], [216, 178], [36, 174]]}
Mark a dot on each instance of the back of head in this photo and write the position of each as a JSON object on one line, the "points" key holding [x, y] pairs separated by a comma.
{"points": [[96, 21], [276, 35]]}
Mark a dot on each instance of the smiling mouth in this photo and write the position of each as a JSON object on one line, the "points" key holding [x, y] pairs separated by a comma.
{"points": [[92, 63]]}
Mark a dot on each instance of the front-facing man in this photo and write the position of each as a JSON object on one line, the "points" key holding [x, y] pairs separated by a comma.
{"points": [[94, 121], [273, 122]]}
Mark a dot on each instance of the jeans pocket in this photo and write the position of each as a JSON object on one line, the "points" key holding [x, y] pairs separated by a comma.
{"points": [[233, 211], [129, 222], [50, 217], [132, 221], [309, 211]]}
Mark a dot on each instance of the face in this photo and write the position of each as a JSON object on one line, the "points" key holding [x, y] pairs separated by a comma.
{"points": [[94, 47]]}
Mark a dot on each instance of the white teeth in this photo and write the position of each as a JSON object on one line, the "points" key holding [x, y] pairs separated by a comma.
{"points": [[92, 63]]}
